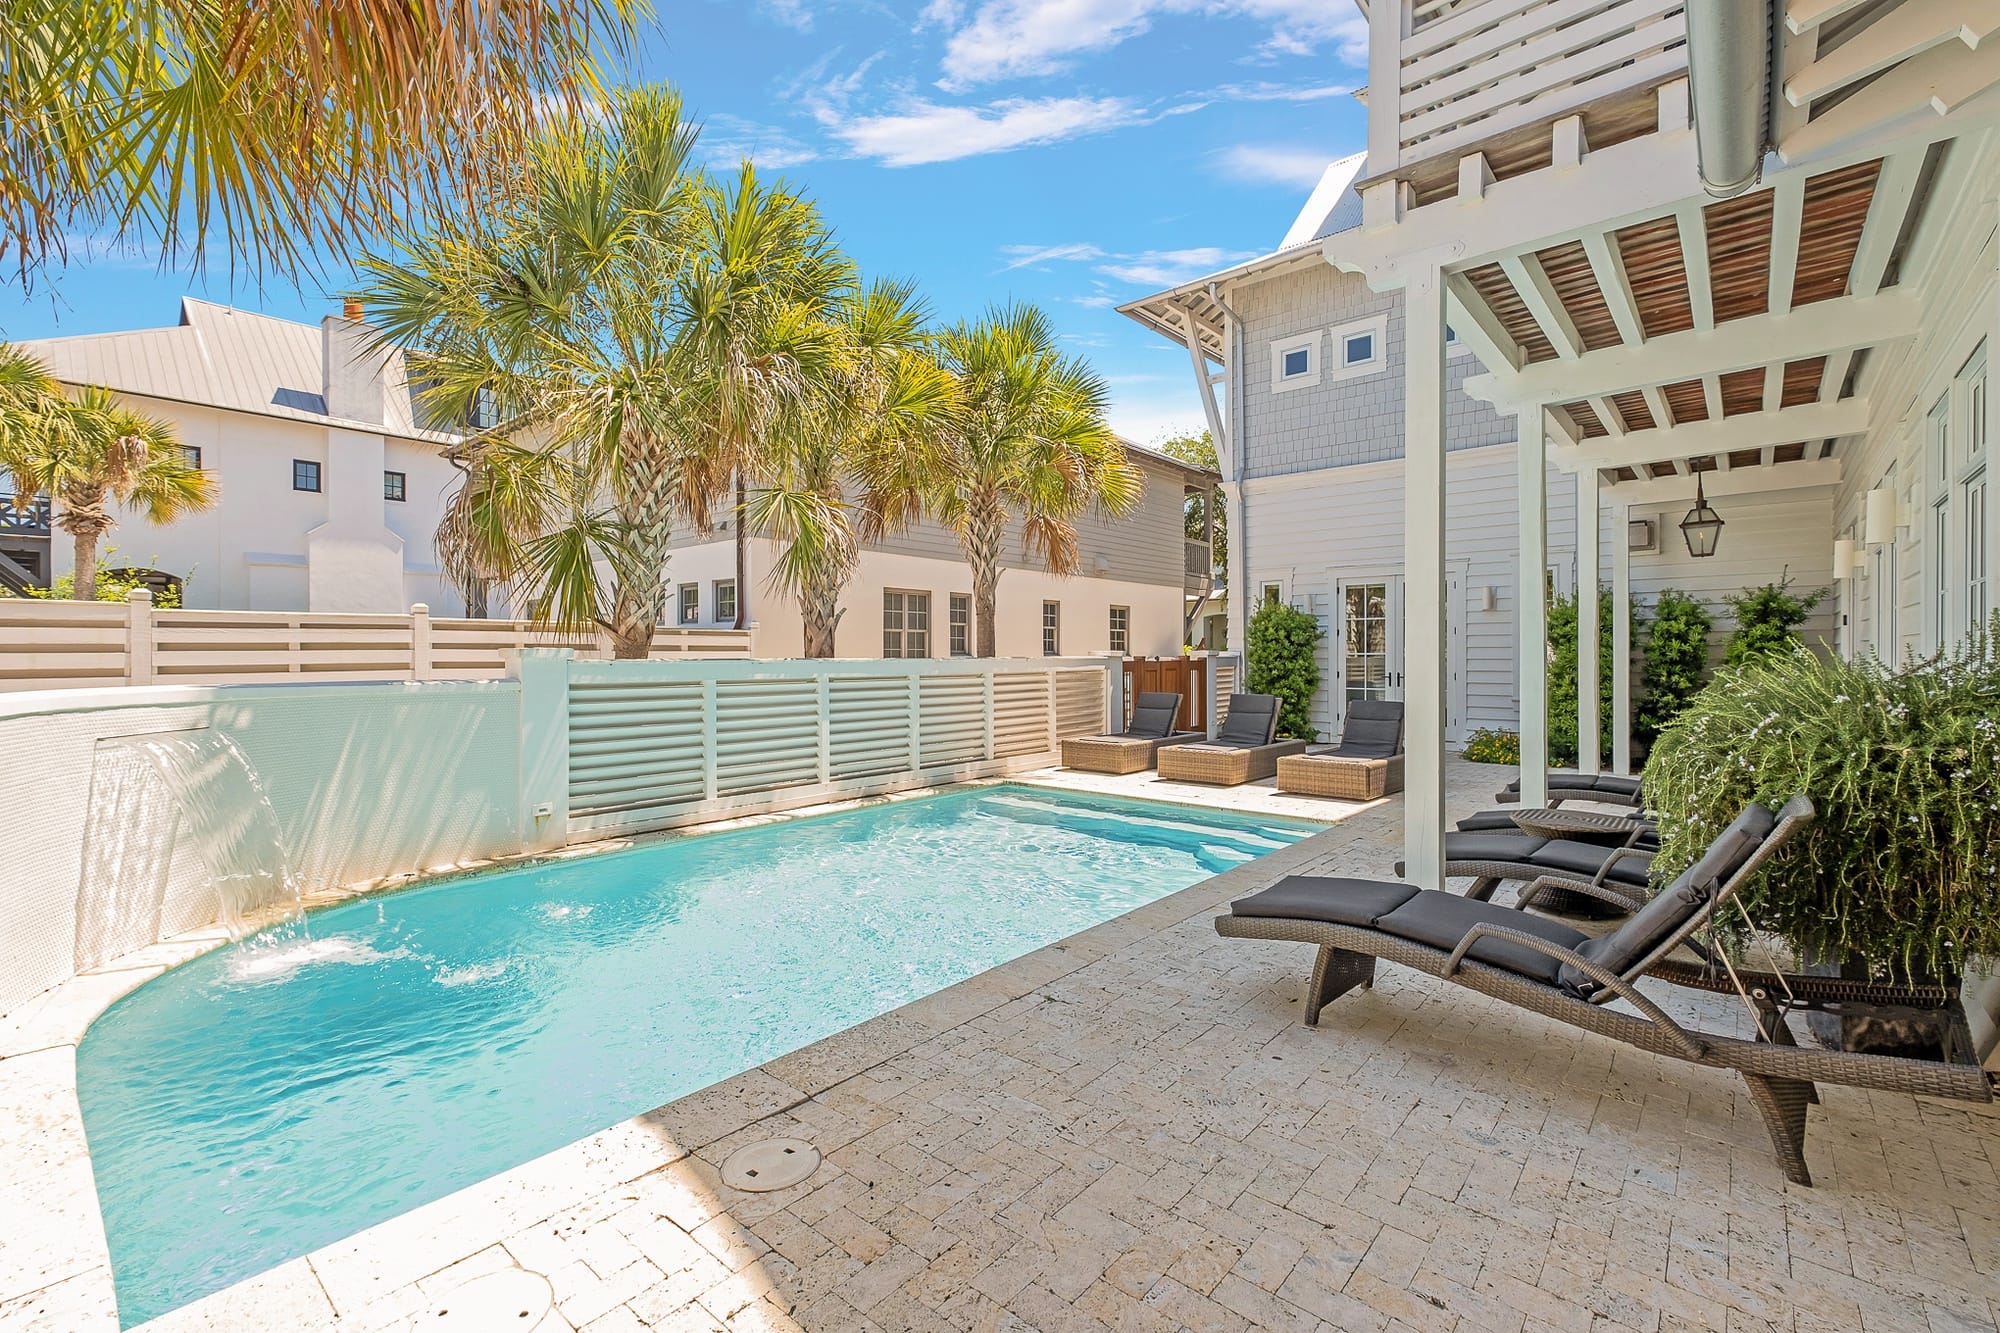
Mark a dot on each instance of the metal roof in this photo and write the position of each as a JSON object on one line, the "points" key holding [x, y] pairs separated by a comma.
{"points": [[237, 360]]}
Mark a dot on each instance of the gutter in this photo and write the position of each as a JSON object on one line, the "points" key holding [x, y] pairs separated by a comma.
{"points": [[1729, 81]]}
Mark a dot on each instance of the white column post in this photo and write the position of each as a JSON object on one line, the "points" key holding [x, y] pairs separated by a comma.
{"points": [[543, 675], [1208, 691], [1621, 639], [1388, 23], [1114, 695], [1589, 741], [825, 684], [139, 636], [421, 665], [1531, 469], [711, 741], [1424, 631]]}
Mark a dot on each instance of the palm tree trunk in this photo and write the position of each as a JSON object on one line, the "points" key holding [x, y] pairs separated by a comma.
{"points": [[743, 557], [983, 529], [641, 594], [86, 563], [819, 611]]}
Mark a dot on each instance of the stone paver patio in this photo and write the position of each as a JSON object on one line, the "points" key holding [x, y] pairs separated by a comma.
{"points": [[1131, 1130]]}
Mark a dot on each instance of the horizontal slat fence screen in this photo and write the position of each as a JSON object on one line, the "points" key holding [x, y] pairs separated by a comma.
{"points": [[52, 645], [661, 743]]}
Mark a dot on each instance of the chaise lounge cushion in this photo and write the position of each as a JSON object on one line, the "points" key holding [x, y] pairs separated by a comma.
{"points": [[1343, 902], [1584, 859], [1373, 730], [1441, 920], [1154, 715], [1252, 720], [1515, 847], [1650, 926]]}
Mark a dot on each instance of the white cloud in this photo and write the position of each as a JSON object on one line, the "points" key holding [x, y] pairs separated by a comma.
{"points": [[1301, 167], [1025, 256], [923, 131], [727, 140], [1016, 38], [1170, 268]]}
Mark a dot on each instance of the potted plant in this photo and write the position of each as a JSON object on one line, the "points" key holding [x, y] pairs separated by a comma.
{"points": [[1898, 877]]}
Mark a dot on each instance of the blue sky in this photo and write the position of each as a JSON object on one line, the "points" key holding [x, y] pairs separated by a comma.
{"points": [[1076, 153]]}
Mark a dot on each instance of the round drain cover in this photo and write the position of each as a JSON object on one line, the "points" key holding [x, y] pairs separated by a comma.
{"points": [[774, 1164], [511, 1299]]}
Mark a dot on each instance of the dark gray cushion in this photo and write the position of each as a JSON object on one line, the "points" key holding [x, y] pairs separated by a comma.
{"points": [[1345, 902], [1568, 780], [1441, 920], [1373, 729], [1252, 720], [1154, 715], [1616, 784], [1671, 907], [1488, 821], [1496, 846], [1585, 859]]}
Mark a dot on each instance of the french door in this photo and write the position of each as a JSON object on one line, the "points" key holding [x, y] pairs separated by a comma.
{"points": [[1369, 653]]}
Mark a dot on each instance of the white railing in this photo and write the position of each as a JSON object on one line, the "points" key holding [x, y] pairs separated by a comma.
{"points": [[616, 747], [1468, 70], [50, 645]]}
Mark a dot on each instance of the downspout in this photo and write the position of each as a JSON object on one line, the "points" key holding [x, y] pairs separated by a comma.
{"points": [[1729, 80]]}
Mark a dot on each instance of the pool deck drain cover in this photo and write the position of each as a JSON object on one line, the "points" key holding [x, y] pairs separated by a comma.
{"points": [[511, 1299], [774, 1164]]}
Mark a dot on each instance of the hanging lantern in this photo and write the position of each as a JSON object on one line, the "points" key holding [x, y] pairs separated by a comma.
{"points": [[1703, 526]]}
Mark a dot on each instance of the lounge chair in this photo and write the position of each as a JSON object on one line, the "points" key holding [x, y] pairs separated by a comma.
{"points": [[1243, 749], [1563, 974], [1566, 784], [1566, 849], [1131, 750], [1367, 764]]}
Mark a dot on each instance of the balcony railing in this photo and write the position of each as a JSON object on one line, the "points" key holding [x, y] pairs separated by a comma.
{"points": [[1200, 566], [30, 522]]}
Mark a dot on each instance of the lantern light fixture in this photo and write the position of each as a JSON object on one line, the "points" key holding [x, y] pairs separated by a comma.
{"points": [[1703, 526]]}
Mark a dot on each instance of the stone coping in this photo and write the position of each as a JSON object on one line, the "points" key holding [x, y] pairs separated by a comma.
{"points": [[55, 1274]]}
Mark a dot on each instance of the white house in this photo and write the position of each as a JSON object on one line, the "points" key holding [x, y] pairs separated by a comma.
{"points": [[1571, 277], [332, 486]]}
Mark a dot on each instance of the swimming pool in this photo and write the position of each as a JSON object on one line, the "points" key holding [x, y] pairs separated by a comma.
{"points": [[276, 1095]]}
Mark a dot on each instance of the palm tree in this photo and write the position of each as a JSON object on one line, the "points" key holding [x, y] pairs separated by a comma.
{"points": [[282, 129], [555, 305], [883, 395], [756, 308], [1024, 438], [88, 452]]}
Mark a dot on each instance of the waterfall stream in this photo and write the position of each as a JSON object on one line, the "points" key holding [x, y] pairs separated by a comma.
{"points": [[151, 795]]}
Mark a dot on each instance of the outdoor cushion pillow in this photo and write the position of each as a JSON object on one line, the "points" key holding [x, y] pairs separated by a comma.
{"points": [[1344, 902], [1154, 716], [1494, 846], [1585, 859], [1252, 720], [1441, 920], [1371, 737], [1670, 908]]}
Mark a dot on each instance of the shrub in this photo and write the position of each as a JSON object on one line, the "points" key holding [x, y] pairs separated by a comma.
{"points": [[1563, 690], [1676, 660], [1768, 619], [112, 586], [1485, 746], [1900, 866], [1283, 659]]}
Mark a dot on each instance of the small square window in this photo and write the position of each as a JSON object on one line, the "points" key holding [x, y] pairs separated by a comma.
{"points": [[690, 607], [395, 486], [190, 455], [1357, 349], [1298, 362], [1273, 594], [725, 601], [305, 475]]}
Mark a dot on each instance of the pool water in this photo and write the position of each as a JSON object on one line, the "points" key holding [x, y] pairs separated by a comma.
{"points": [[279, 1094]]}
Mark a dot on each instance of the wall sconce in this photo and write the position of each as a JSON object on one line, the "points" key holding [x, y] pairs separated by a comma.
{"points": [[1489, 598], [1879, 525], [1846, 556]]}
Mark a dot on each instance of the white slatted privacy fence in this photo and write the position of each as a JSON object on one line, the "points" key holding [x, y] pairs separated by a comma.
{"points": [[51, 645], [629, 746]]}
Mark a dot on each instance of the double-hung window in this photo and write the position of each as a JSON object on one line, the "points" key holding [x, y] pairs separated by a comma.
{"points": [[1121, 628], [906, 623], [1051, 629], [725, 601], [690, 603], [961, 624]]}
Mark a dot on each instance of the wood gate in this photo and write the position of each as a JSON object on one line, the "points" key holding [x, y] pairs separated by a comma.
{"points": [[1185, 676]]}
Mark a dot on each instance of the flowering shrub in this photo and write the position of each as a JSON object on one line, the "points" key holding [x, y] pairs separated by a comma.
{"points": [[1493, 747], [1902, 865]]}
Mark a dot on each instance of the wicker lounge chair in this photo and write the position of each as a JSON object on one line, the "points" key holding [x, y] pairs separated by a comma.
{"points": [[1243, 749], [1569, 785], [1560, 861], [1367, 764], [1562, 974], [1132, 750]]}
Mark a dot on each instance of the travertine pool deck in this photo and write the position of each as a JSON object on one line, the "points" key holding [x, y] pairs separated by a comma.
{"points": [[1130, 1130]]}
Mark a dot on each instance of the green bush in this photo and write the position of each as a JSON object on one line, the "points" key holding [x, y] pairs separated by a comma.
{"points": [[1283, 659], [1676, 660], [1901, 865], [1563, 690], [1493, 747], [1768, 619]]}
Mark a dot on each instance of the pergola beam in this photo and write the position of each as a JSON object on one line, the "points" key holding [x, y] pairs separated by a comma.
{"points": [[1788, 205], [1532, 285], [1607, 265], [1887, 208], [1479, 328], [1910, 29], [1699, 439], [1694, 259], [1818, 330], [1723, 485], [1946, 80]]}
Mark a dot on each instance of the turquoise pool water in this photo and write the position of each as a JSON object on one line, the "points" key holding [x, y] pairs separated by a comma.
{"points": [[278, 1094]]}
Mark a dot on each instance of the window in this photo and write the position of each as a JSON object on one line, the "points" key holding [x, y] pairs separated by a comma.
{"points": [[1121, 628], [1295, 363], [1938, 426], [1972, 492], [1273, 593], [1051, 629], [305, 475], [395, 486], [690, 607], [906, 624], [961, 624], [191, 455], [725, 601], [1358, 347], [484, 413]]}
